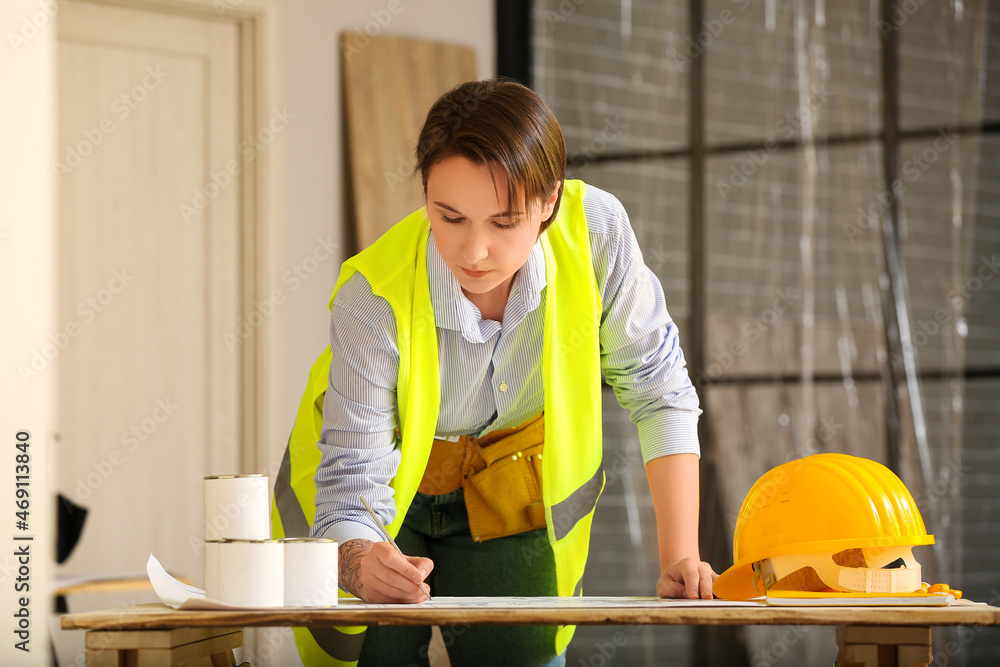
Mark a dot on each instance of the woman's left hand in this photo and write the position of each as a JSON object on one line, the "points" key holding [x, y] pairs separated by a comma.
{"points": [[687, 578]]}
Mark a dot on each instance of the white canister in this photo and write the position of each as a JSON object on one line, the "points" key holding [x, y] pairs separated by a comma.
{"points": [[310, 572], [236, 508], [211, 568], [248, 573]]}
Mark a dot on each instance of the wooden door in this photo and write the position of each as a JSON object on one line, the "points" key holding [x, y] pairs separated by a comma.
{"points": [[150, 244]]}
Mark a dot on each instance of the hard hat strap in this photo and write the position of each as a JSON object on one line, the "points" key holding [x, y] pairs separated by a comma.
{"points": [[872, 580], [847, 579]]}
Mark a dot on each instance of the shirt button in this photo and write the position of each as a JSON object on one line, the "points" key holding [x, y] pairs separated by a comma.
{"points": [[503, 386]]}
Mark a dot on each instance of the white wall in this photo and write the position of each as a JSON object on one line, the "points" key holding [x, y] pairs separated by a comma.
{"points": [[28, 307], [314, 209], [315, 150]]}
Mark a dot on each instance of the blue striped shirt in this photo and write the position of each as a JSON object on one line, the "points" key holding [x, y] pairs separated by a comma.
{"points": [[491, 375]]}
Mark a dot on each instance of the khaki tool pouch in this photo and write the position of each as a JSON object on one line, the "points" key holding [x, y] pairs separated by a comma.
{"points": [[503, 482]]}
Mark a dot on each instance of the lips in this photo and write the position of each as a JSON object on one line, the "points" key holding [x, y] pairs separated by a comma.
{"points": [[474, 274]]}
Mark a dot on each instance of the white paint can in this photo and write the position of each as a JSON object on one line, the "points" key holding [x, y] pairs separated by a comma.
{"points": [[310, 572], [211, 567], [236, 508], [247, 573]]}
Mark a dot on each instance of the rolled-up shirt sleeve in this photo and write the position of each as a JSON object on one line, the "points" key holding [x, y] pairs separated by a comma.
{"points": [[357, 442], [640, 345]]}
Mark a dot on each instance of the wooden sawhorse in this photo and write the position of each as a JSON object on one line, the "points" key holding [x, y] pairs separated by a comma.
{"points": [[883, 646], [192, 647]]}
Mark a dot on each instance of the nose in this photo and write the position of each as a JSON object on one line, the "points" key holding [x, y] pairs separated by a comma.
{"points": [[475, 247]]}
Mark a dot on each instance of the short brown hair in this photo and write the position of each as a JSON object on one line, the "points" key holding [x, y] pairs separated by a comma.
{"points": [[497, 121]]}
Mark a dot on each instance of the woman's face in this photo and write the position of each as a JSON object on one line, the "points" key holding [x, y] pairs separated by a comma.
{"points": [[482, 242]]}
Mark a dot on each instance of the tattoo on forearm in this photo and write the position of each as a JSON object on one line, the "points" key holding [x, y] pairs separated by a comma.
{"points": [[351, 553]]}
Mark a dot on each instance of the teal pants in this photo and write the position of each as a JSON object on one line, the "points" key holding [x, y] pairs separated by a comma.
{"points": [[520, 565]]}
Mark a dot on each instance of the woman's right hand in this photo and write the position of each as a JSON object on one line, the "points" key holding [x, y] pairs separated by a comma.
{"points": [[376, 572]]}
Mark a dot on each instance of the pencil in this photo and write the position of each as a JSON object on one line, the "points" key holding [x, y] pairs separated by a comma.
{"points": [[391, 541]]}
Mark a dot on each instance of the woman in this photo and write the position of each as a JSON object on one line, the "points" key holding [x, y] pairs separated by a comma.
{"points": [[462, 396]]}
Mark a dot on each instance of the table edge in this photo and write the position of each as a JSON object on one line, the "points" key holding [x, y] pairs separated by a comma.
{"points": [[151, 617]]}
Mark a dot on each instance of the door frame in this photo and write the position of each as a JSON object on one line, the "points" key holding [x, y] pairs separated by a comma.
{"points": [[261, 228]]}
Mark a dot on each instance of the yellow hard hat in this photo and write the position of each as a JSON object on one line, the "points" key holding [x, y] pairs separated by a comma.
{"points": [[808, 511]]}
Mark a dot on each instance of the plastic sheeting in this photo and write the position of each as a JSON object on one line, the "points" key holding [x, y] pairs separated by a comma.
{"points": [[829, 324]]}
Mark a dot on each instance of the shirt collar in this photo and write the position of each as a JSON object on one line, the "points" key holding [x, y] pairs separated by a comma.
{"points": [[452, 310]]}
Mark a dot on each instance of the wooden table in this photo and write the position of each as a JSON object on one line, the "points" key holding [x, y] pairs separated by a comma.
{"points": [[154, 634]]}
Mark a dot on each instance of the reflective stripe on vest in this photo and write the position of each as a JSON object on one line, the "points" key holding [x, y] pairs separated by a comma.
{"points": [[567, 513], [571, 373]]}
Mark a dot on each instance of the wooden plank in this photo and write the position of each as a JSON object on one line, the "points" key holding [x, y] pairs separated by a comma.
{"points": [[201, 650], [893, 634], [886, 655], [152, 638], [103, 585], [225, 659], [207, 648], [913, 656], [105, 658], [158, 616], [865, 654], [389, 85], [114, 585]]}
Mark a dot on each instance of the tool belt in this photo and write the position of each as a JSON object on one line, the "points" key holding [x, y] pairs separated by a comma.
{"points": [[501, 474]]}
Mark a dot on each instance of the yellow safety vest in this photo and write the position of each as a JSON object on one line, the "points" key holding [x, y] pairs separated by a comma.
{"points": [[396, 268]]}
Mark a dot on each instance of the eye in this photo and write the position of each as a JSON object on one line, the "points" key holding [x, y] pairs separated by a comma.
{"points": [[500, 225], [452, 220]]}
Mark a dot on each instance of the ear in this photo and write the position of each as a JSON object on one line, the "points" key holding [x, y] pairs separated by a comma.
{"points": [[549, 204]]}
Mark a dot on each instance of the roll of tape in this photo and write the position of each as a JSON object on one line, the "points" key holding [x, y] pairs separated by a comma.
{"points": [[310, 572], [248, 573], [236, 508]]}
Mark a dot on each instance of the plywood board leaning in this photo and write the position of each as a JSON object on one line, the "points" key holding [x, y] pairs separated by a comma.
{"points": [[389, 85]]}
